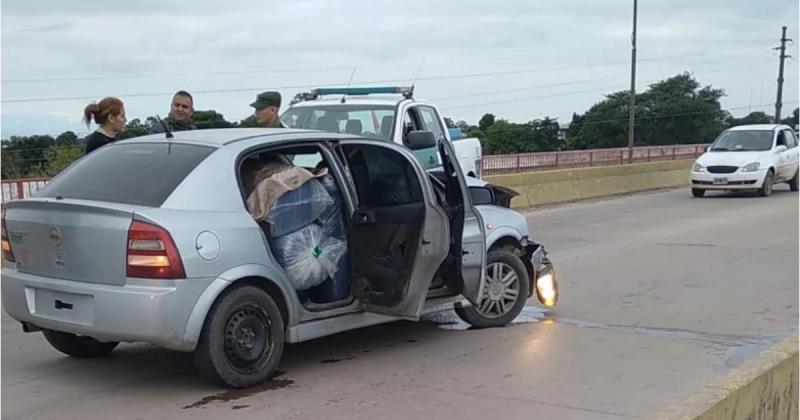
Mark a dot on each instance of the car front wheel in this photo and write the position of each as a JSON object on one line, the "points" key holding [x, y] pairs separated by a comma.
{"points": [[766, 187], [698, 192], [504, 293], [793, 182], [242, 339]]}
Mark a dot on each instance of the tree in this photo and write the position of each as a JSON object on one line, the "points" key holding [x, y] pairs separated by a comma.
{"points": [[757, 117], [67, 138], [134, 128], [59, 157], [486, 121], [673, 111], [210, 119], [793, 120]]}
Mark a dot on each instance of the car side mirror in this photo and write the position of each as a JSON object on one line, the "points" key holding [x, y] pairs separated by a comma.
{"points": [[420, 140], [780, 149], [481, 195]]}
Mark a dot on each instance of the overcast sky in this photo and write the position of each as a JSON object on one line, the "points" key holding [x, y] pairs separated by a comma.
{"points": [[518, 59]]}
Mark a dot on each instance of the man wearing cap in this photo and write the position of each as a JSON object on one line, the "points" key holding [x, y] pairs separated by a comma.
{"points": [[267, 105]]}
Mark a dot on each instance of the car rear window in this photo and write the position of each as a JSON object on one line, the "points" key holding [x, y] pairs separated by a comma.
{"points": [[143, 174]]}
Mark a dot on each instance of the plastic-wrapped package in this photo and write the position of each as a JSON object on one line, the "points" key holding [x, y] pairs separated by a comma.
{"points": [[331, 219], [308, 256], [298, 208]]}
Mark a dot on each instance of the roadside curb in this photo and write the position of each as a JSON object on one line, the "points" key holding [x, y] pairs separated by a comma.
{"points": [[765, 387]]}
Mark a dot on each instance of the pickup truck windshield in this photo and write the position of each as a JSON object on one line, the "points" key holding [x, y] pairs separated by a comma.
{"points": [[373, 121], [743, 141]]}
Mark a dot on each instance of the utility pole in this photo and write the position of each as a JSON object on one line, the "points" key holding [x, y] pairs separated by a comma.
{"points": [[779, 100], [632, 106]]}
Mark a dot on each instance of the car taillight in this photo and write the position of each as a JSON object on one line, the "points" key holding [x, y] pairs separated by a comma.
{"points": [[152, 253], [8, 255]]}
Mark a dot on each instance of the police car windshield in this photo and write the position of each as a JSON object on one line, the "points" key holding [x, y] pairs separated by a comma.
{"points": [[373, 121], [743, 141]]}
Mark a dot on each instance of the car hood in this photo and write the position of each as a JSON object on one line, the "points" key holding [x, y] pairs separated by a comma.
{"points": [[730, 158]]}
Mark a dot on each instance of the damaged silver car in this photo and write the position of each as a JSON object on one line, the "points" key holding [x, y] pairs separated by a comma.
{"points": [[231, 243]]}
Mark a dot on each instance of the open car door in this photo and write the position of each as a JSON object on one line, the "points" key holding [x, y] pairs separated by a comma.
{"points": [[398, 236]]}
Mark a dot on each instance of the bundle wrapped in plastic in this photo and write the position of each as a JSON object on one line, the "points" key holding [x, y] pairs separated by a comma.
{"points": [[298, 208], [331, 218], [308, 256]]}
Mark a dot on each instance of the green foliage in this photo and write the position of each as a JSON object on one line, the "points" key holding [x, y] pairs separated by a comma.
{"points": [[792, 120], [486, 121], [134, 128], [210, 119], [503, 137]]}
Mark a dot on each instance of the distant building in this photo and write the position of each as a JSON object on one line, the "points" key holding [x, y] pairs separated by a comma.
{"points": [[562, 132]]}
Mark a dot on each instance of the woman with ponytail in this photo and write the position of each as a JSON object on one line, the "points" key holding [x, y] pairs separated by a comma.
{"points": [[109, 115]]}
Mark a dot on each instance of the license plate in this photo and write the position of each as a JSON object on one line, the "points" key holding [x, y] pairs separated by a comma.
{"points": [[60, 306], [720, 180]]}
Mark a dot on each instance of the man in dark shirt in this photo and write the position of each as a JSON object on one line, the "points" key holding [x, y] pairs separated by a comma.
{"points": [[266, 107], [180, 114]]}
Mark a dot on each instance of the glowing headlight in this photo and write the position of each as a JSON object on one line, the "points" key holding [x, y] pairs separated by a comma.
{"points": [[751, 167], [698, 167], [546, 289]]}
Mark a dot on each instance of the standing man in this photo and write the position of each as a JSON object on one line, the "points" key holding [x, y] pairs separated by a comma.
{"points": [[267, 105], [180, 114]]}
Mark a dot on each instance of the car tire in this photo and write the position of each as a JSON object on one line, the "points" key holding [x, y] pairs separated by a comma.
{"points": [[766, 186], [242, 339], [698, 192], [793, 182], [500, 302], [79, 346]]}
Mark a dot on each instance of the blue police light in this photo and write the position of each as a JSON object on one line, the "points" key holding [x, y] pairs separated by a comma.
{"points": [[392, 90]]}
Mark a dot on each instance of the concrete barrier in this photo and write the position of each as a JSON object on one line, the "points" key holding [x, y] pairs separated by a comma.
{"points": [[564, 185], [765, 387]]}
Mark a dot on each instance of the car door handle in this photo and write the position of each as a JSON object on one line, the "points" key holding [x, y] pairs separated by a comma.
{"points": [[363, 217]]}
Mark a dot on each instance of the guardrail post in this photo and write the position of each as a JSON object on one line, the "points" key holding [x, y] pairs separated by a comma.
{"points": [[517, 163], [20, 192], [673, 152], [591, 158], [557, 160]]}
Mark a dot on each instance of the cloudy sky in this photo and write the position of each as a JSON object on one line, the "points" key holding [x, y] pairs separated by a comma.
{"points": [[519, 59]]}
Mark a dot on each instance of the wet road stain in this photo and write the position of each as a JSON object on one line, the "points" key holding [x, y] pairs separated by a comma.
{"points": [[348, 357], [239, 407], [411, 341], [451, 321], [235, 394], [366, 351]]}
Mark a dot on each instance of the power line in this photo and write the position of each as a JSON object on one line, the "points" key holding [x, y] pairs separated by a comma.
{"points": [[315, 69], [310, 86]]}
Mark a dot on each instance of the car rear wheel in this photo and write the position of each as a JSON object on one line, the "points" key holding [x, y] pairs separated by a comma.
{"points": [[242, 340], [698, 192], [793, 182], [80, 346], [504, 293], [766, 187]]}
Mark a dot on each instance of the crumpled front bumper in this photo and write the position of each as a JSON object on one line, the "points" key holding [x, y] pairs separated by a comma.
{"points": [[541, 273]]}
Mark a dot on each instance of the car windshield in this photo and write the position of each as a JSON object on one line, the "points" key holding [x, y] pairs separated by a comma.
{"points": [[743, 141], [373, 121]]}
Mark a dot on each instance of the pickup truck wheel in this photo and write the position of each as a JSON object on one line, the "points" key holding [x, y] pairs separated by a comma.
{"points": [[504, 293], [698, 192], [242, 339], [793, 182], [766, 187], [79, 346]]}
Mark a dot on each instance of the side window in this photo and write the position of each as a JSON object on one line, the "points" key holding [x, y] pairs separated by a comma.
{"points": [[781, 141], [410, 123], [791, 140], [381, 176], [431, 121]]}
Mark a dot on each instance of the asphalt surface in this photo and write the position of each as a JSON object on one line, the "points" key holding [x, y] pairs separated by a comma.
{"points": [[661, 294]]}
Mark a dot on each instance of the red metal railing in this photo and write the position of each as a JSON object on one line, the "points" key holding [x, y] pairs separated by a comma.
{"points": [[490, 165], [528, 162]]}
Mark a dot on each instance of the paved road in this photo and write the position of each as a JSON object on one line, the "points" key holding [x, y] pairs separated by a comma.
{"points": [[661, 295]]}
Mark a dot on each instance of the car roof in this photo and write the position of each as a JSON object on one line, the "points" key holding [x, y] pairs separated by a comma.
{"points": [[385, 100], [219, 137], [769, 127]]}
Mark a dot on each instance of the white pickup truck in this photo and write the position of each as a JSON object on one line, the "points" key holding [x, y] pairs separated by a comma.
{"points": [[375, 112]]}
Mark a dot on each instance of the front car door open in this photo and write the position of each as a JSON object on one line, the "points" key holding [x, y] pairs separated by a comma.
{"points": [[397, 236]]}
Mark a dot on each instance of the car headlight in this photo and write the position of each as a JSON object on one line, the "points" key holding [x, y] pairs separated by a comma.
{"points": [[751, 167], [698, 167]]}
